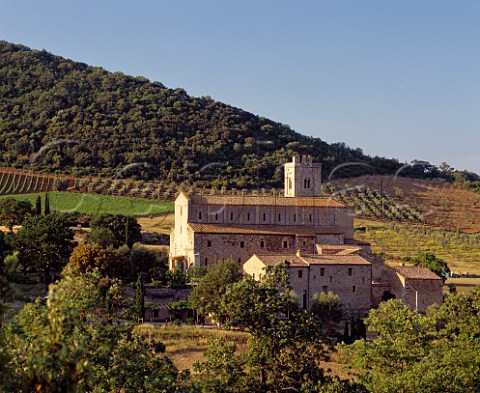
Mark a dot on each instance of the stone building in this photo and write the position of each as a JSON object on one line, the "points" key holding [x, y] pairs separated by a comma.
{"points": [[314, 233]]}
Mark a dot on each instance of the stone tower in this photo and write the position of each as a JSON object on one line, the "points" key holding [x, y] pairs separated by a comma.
{"points": [[302, 177]]}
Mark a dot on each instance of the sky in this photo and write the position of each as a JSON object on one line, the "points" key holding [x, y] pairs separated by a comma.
{"points": [[396, 78]]}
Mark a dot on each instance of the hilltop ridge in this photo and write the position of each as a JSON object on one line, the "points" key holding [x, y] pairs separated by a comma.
{"points": [[57, 115]]}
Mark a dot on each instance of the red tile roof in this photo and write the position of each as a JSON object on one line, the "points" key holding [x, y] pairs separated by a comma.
{"points": [[272, 259], [416, 272], [263, 229], [250, 200]]}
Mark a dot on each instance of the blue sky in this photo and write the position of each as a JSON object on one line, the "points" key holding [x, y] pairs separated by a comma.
{"points": [[397, 78]]}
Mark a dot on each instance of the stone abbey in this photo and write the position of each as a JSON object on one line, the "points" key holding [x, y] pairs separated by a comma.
{"points": [[313, 233]]}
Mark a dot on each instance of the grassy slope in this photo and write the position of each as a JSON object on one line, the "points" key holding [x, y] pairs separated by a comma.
{"points": [[96, 204]]}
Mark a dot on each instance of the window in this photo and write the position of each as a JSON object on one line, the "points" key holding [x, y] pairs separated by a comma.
{"points": [[264, 217], [300, 273], [294, 217], [353, 289], [350, 271], [285, 244], [304, 242], [209, 243], [363, 280], [199, 215], [279, 217], [248, 216], [206, 261], [155, 313], [242, 244], [331, 279], [216, 216], [325, 288], [310, 218], [262, 244], [322, 271], [306, 183], [231, 216]]}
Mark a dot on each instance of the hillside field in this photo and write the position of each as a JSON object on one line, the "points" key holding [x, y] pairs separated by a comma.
{"points": [[70, 202]]}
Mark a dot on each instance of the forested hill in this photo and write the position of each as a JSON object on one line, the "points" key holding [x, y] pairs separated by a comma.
{"points": [[97, 122]]}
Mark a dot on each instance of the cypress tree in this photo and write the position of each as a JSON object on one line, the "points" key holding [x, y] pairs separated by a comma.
{"points": [[38, 206], [47, 205]]}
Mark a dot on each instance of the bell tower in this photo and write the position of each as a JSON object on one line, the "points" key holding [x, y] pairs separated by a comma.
{"points": [[302, 177]]}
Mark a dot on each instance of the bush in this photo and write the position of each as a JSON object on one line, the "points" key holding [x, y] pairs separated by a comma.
{"points": [[190, 321]]}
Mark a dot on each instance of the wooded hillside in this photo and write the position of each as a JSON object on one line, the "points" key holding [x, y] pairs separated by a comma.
{"points": [[97, 122]]}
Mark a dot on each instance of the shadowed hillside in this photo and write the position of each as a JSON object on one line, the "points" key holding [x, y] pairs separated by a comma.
{"points": [[57, 115]]}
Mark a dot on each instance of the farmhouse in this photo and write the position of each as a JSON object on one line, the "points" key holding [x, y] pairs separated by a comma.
{"points": [[313, 233]]}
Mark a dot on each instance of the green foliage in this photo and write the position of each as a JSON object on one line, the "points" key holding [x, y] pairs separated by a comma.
{"points": [[176, 279], [65, 345], [437, 352], [7, 268], [328, 308], [114, 120], [123, 230], [13, 212], [432, 262], [286, 344], [45, 244], [207, 293]]}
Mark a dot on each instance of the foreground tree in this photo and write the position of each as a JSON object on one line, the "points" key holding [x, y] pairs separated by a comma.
{"points": [[206, 295], [68, 345], [117, 229], [285, 347], [45, 244], [437, 352]]}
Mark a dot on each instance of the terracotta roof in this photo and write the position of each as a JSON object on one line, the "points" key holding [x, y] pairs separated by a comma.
{"points": [[250, 200], [416, 272], [271, 259], [263, 229]]}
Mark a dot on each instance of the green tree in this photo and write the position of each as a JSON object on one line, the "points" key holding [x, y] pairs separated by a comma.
{"points": [[285, 347], [13, 212], [47, 204], [441, 347], [125, 230], [45, 244], [206, 295], [432, 262], [87, 257], [140, 299], [66, 345], [328, 308]]}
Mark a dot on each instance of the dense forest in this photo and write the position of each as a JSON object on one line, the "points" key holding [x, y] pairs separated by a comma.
{"points": [[57, 115]]}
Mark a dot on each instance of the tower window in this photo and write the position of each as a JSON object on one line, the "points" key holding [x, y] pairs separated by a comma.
{"points": [[242, 244], [306, 183], [206, 261], [209, 243], [331, 279], [279, 217], [322, 271], [310, 218], [285, 244], [353, 289], [231, 216], [216, 216], [248, 216], [264, 217], [300, 273], [262, 244], [294, 217], [199, 215], [350, 271], [325, 288]]}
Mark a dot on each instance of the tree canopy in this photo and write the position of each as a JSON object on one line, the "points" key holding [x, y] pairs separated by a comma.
{"points": [[61, 115]]}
